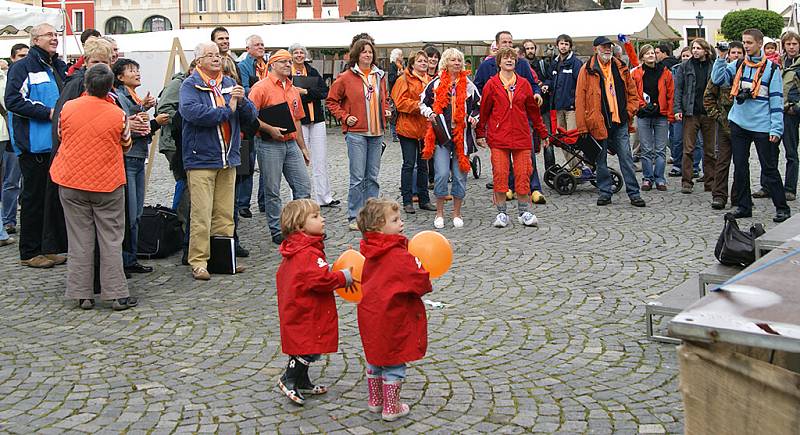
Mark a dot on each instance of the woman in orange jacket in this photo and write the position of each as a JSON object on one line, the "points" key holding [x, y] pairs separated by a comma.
{"points": [[411, 128], [656, 90]]}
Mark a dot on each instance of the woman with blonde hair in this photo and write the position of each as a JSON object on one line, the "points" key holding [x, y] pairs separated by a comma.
{"points": [[451, 102]]}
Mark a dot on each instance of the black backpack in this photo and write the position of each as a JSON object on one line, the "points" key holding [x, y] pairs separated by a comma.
{"points": [[160, 233], [736, 247]]}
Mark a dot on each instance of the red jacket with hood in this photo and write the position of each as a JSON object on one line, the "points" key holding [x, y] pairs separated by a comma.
{"points": [[391, 315], [306, 305], [505, 125]]}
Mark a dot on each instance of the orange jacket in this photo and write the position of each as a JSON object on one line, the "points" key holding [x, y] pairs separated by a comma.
{"points": [[346, 98], [90, 155], [666, 90], [406, 95], [591, 109]]}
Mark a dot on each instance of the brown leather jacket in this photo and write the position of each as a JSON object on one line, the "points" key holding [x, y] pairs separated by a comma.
{"points": [[591, 108]]}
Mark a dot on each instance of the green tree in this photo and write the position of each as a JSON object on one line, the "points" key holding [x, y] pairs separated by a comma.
{"points": [[735, 22]]}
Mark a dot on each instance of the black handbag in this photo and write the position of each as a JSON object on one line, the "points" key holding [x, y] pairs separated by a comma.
{"points": [[651, 110], [736, 247], [160, 233]]}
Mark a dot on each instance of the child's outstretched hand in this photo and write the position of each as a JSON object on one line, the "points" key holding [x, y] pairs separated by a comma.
{"points": [[351, 286]]}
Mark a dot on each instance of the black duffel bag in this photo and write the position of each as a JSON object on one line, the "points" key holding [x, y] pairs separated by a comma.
{"points": [[736, 247], [160, 233]]}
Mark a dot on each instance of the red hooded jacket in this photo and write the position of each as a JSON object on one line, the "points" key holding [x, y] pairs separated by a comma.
{"points": [[505, 125], [306, 305], [391, 315]]}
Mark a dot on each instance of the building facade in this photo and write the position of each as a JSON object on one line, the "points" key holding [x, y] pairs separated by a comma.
{"points": [[80, 14], [213, 13], [116, 17], [307, 10]]}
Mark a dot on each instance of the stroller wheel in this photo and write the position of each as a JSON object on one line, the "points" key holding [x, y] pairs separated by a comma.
{"points": [[616, 180], [565, 183], [476, 167], [550, 175]]}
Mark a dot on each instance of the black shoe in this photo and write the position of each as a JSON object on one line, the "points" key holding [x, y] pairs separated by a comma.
{"points": [[674, 173], [427, 206], [490, 185], [603, 201], [739, 213], [304, 383], [334, 203], [262, 210], [638, 202], [761, 193], [409, 209], [245, 213], [277, 239], [718, 203], [185, 258], [11, 229], [288, 382], [86, 304], [138, 268], [782, 216], [241, 252], [128, 275], [124, 303]]}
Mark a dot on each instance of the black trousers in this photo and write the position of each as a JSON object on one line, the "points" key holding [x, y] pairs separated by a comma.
{"points": [[767, 157], [34, 169]]}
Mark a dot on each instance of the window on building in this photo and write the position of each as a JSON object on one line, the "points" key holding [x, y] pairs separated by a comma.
{"points": [[202, 6], [261, 5], [77, 21], [230, 5], [303, 2], [329, 2], [693, 33], [118, 25], [157, 23]]}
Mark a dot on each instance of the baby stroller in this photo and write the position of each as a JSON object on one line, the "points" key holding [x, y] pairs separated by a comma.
{"points": [[584, 149], [474, 158]]}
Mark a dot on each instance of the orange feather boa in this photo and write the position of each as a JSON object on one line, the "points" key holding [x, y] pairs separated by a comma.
{"points": [[459, 117]]}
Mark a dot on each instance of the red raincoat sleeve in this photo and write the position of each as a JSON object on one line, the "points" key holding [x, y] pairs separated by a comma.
{"points": [[318, 277], [416, 280]]}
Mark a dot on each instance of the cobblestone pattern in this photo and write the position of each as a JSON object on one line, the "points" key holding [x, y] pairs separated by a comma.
{"points": [[542, 332]]}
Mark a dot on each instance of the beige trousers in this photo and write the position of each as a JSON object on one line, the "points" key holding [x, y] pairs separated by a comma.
{"points": [[212, 195], [566, 119]]}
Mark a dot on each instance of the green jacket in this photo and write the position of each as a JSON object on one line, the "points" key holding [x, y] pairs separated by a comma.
{"points": [[168, 102], [791, 84], [718, 102]]}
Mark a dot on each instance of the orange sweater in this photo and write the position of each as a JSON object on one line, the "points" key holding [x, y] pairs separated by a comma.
{"points": [[406, 95], [93, 131]]}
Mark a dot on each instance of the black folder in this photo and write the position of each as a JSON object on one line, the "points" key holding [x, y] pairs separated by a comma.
{"points": [[304, 82], [223, 256], [279, 116]]}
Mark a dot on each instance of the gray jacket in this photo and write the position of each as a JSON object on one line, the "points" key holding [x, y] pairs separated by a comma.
{"points": [[168, 103], [685, 85]]}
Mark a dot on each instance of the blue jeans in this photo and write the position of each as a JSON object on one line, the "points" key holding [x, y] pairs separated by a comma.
{"points": [[653, 138], [618, 141], [445, 164], [134, 172], [388, 373], [11, 186], [676, 147], [245, 191], [3, 233], [276, 159], [364, 153], [412, 161]]}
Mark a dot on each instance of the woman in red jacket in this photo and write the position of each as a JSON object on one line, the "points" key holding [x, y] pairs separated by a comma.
{"points": [[506, 106], [306, 306], [391, 315], [656, 89]]}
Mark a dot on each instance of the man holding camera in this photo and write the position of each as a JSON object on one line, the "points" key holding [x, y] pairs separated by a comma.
{"points": [[756, 116]]}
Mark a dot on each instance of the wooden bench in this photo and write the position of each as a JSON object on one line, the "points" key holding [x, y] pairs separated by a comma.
{"points": [[669, 304], [716, 274], [777, 236]]}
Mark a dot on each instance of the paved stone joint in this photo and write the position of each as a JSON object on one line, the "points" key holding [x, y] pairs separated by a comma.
{"points": [[543, 329]]}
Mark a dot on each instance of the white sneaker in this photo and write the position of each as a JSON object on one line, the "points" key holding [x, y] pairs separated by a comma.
{"points": [[458, 222], [501, 221], [528, 219], [438, 222]]}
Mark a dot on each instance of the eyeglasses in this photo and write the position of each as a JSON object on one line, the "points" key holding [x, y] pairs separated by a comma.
{"points": [[48, 35], [213, 56]]}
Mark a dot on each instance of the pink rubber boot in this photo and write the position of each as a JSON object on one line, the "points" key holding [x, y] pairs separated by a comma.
{"points": [[375, 385], [392, 408]]}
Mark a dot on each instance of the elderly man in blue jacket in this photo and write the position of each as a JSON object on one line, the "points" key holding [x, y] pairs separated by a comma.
{"points": [[34, 84], [212, 106]]}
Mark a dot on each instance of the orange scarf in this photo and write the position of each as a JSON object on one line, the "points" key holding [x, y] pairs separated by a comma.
{"points": [[261, 68], [444, 96], [215, 84], [302, 72], [510, 87], [371, 93], [756, 85], [136, 99]]}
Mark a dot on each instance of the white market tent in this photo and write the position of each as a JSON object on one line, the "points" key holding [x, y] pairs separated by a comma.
{"points": [[641, 23], [17, 16]]}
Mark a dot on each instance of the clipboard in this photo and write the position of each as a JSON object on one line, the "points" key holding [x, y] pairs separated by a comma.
{"points": [[279, 116]]}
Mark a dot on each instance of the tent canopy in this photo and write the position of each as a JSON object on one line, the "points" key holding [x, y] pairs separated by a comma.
{"points": [[641, 23], [17, 16]]}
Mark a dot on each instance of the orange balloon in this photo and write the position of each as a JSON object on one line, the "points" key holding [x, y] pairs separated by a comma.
{"points": [[434, 252], [350, 258]]}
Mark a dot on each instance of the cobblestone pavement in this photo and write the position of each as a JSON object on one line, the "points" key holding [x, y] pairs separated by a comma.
{"points": [[542, 331]]}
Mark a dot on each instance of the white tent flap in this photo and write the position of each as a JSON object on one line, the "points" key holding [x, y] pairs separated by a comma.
{"points": [[17, 16]]}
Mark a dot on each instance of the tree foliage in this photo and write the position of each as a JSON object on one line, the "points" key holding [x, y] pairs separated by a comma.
{"points": [[735, 22]]}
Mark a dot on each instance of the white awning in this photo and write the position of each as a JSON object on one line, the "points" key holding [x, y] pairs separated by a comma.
{"points": [[17, 16], [641, 23]]}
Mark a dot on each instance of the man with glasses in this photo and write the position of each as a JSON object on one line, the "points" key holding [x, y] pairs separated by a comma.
{"points": [[34, 85]]}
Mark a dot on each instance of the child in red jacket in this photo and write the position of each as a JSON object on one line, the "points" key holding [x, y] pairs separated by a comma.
{"points": [[391, 315], [306, 306]]}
